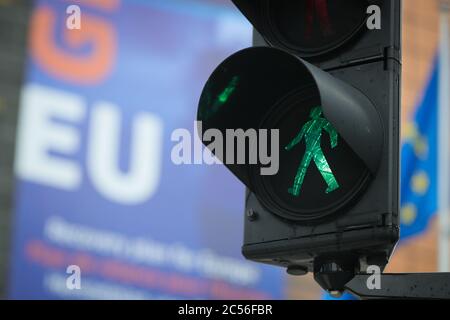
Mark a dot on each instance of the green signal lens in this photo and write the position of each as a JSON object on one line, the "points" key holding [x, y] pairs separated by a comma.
{"points": [[311, 132], [319, 173]]}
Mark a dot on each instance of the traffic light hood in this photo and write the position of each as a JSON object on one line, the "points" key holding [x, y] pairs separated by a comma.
{"points": [[255, 87]]}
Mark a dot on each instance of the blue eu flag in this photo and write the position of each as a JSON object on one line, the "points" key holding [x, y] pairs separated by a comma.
{"points": [[419, 163]]}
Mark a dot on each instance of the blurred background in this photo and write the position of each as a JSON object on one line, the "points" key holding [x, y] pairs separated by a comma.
{"points": [[86, 177]]}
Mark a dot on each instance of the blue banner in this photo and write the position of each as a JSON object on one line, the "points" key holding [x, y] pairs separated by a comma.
{"points": [[97, 194]]}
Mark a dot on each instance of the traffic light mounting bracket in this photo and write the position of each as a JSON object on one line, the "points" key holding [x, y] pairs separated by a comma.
{"points": [[428, 286]]}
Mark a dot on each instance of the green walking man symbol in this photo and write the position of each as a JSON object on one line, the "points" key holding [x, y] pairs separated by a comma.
{"points": [[312, 132]]}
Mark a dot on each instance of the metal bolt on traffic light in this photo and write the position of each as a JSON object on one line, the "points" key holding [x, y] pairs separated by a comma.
{"points": [[330, 85]]}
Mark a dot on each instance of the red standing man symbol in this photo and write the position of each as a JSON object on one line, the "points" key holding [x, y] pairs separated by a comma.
{"points": [[318, 8]]}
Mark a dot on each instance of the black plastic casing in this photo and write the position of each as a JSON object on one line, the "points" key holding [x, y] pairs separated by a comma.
{"points": [[370, 228]]}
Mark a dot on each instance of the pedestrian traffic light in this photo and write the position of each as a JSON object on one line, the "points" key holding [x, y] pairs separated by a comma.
{"points": [[324, 76]]}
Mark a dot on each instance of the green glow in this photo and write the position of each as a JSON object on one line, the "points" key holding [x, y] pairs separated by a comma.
{"points": [[228, 91], [312, 132], [211, 105]]}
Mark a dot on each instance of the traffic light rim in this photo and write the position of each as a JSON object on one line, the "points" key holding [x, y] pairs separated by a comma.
{"points": [[276, 205]]}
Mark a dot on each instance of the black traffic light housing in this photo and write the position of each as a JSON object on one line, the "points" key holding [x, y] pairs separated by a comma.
{"points": [[353, 74], [277, 21]]}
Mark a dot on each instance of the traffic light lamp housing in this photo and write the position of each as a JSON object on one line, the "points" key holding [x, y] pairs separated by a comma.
{"points": [[281, 95], [332, 208], [338, 33]]}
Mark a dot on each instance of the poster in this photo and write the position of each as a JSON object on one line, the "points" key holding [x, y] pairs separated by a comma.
{"points": [[97, 192]]}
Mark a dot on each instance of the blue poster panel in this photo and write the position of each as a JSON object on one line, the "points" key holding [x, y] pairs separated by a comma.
{"points": [[98, 194]]}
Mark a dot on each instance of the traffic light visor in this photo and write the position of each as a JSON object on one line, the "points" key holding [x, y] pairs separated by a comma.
{"points": [[330, 134]]}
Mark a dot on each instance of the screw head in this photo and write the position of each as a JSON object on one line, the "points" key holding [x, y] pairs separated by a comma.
{"points": [[252, 215], [297, 270]]}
